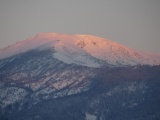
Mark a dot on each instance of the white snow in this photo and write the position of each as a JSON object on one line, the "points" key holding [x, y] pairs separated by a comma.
{"points": [[82, 50], [58, 84], [90, 117], [12, 95]]}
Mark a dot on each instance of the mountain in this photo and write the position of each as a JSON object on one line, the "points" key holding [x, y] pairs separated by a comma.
{"points": [[85, 50], [77, 77]]}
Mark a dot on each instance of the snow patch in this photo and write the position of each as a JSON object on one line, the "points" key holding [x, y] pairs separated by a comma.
{"points": [[11, 95], [90, 117]]}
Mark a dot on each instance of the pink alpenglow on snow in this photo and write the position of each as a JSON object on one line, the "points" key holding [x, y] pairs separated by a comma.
{"points": [[81, 49]]}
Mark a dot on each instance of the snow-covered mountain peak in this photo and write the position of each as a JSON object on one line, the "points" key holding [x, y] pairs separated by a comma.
{"points": [[86, 50]]}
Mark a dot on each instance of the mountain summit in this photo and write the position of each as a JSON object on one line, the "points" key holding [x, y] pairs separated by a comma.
{"points": [[85, 50]]}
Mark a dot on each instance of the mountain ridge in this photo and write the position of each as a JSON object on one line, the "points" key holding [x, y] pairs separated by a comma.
{"points": [[80, 48]]}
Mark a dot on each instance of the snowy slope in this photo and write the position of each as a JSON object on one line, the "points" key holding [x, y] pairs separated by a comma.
{"points": [[37, 75], [83, 50]]}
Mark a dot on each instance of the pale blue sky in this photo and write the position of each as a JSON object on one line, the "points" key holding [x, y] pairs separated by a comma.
{"points": [[134, 23]]}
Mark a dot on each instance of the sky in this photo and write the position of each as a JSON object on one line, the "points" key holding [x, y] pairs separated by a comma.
{"points": [[133, 23]]}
